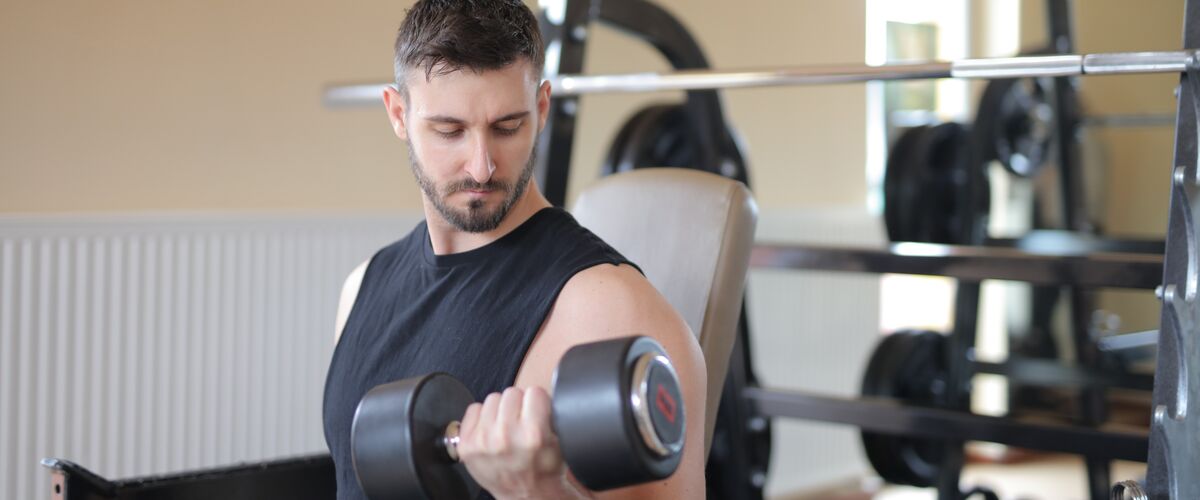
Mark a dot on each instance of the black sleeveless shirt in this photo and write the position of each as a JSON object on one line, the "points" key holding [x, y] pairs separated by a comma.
{"points": [[472, 314]]}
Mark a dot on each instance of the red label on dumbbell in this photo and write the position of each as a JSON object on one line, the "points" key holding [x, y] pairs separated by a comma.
{"points": [[665, 403], [667, 412]]}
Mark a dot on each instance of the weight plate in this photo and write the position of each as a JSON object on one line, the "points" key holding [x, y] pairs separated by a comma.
{"points": [[933, 191], [596, 420], [1015, 124], [909, 366], [397, 440], [658, 135]]}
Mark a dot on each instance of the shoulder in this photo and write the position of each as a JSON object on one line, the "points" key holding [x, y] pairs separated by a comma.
{"points": [[607, 301], [348, 296], [354, 281], [601, 290]]}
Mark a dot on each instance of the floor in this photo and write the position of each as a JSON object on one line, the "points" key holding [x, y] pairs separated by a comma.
{"points": [[1040, 477]]}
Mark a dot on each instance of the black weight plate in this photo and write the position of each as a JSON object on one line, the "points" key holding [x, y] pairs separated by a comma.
{"points": [[933, 192], [908, 365], [902, 186], [396, 440], [658, 135], [1015, 124], [594, 416]]}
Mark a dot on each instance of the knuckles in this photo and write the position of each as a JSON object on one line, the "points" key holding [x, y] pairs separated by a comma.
{"points": [[506, 435], [510, 444]]}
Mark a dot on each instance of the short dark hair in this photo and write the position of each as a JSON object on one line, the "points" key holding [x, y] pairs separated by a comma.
{"points": [[443, 36]]}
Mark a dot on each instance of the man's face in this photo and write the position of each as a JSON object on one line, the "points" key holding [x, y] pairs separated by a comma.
{"points": [[470, 139]]}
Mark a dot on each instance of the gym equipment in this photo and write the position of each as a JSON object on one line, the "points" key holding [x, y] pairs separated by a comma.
{"points": [[307, 477], [1112, 63], [909, 365], [658, 135], [401, 439], [1128, 490], [618, 414], [1141, 270], [933, 191], [1014, 124]]}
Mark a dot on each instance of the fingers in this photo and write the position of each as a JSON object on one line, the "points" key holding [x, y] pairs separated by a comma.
{"points": [[508, 444], [536, 406], [470, 420], [491, 407], [510, 406], [502, 413]]}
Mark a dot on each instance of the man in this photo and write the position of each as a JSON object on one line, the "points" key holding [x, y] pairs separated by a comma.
{"points": [[495, 285]]}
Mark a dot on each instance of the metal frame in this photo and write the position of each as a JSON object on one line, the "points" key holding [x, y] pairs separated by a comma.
{"points": [[1080, 301], [1175, 427], [892, 417], [565, 26], [1115, 270], [309, 477], [1051, 373]]}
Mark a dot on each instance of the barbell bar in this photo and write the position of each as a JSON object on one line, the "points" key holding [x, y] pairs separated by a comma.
{"points": [[988, 68]]}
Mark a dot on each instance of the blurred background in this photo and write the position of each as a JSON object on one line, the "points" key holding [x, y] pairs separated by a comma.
{"points": [[178, 207]]}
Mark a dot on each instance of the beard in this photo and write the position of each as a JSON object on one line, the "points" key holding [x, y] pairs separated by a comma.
{"points": [[476, 217]]}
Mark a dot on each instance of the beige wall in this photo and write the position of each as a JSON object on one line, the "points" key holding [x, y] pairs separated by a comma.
{"points": [[138, 105], [135, 105], [1137, 161], [1134, 164]]}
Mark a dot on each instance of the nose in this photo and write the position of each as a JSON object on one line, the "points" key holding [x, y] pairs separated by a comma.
{"points": [[479, 165]]}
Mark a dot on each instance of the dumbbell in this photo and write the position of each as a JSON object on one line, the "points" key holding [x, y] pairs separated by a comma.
{"points": [[617, 411]]}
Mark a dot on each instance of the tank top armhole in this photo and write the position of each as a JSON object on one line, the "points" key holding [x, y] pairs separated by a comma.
{"points": [[370, 275]]}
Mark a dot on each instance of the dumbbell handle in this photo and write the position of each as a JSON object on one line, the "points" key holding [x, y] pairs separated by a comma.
{"points": [[640, 404], [451, 439]]}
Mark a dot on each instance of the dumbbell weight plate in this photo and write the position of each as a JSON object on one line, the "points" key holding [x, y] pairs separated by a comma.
{"points": [[397, 440], [618, 412]]}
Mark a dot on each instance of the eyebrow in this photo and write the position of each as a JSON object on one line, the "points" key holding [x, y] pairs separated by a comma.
{"points": [[458, 121]]}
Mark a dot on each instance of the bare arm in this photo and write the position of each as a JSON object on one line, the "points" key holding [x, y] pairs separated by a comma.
{"points": [[606, 302], [346, 301]]}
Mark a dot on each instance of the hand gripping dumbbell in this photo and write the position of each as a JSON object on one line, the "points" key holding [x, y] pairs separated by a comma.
{"points": [[617, 411]]}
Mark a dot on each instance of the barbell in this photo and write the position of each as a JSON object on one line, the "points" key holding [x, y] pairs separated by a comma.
{"points": [[986, 68]]}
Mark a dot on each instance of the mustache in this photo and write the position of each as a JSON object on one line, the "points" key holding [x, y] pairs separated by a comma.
{"points": [[468, 184]]}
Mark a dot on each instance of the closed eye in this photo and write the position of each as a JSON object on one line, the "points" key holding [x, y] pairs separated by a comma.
{"points": [[509, 127], [449, 134]]}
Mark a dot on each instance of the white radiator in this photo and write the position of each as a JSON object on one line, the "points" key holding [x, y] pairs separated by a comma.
{"points": [[138, 345], [813, 331]]}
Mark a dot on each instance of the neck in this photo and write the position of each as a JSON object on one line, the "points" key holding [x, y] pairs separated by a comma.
{"points": [[447, 239]]}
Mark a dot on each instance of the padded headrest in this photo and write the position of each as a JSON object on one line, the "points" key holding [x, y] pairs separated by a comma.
{"points": [[691, 232]]}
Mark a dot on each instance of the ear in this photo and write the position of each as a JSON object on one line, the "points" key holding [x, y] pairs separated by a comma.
{"points": [[543, 104], [394, 103]]}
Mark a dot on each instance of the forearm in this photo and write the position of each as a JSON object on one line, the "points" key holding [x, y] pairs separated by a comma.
{"points": [[566, 489]]}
